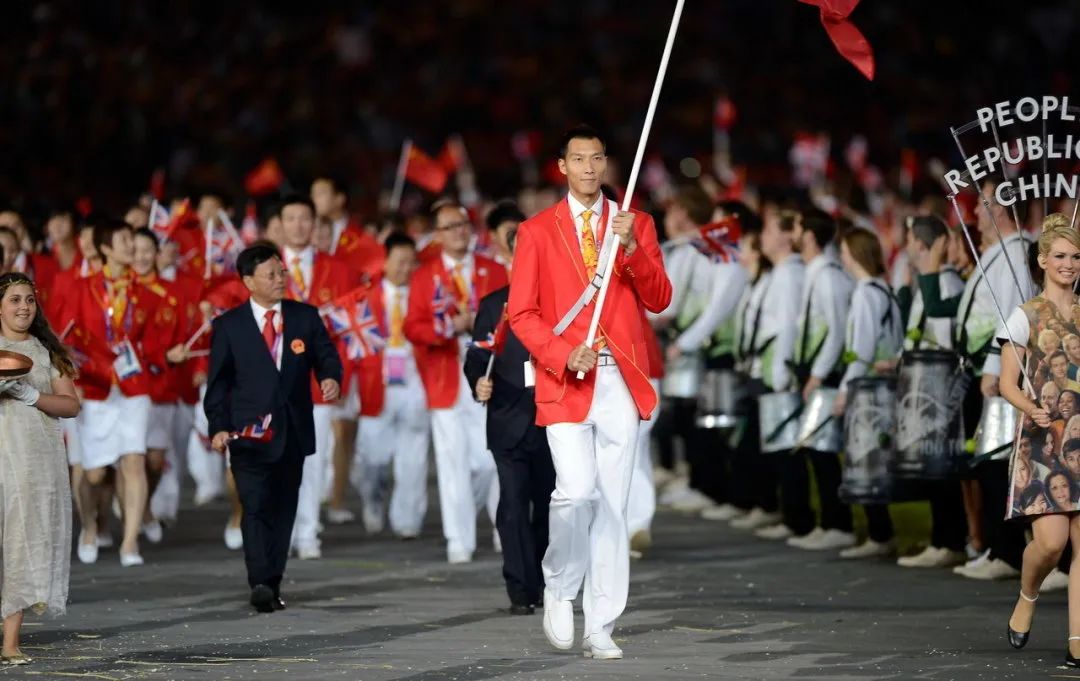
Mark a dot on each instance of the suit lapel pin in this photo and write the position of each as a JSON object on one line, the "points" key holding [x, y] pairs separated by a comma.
{"points": [[297, 346]]}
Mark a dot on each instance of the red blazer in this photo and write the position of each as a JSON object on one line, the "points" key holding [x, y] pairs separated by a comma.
{"points": [[330, 279], [83, 305], [372, 382], [437, 357], [168, 325], [549, 276], [361, 252], [191, 247], [656, 356]]}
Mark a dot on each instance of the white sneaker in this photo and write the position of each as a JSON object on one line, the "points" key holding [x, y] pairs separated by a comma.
{"points": [[131, 560], [978, 559], [104, 540], [868, 549], [205, 496], [496, 542], [339, 516], [408, 534], [723, 512], [828, 540], [153, 532], [755, 519], [810, 537], [88, 553], [692, 501], [993, 569], [662, 476], [636, 555], [308, 551], [599, 646], [672, 491], [1055, 581], [373, 519], [234, 538], [777, 531], [456, 556], [558, 622], [932, 557]]}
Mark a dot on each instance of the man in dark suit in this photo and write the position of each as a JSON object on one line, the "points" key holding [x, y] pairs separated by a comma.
{"points": [[262, 355], [522, 457]]}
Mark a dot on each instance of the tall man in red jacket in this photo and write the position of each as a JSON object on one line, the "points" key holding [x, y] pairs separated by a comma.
{"points": [[592, 424], [443, 298]]}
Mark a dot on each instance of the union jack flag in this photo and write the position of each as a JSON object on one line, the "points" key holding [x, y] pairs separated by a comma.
{"points": [[160, 221], [260, 431], [363, 339], [495, 339], [223, 245], [720, 240], [442, 306]]}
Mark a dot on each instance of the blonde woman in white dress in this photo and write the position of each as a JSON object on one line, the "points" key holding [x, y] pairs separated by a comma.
{"points": [[35, 494]]}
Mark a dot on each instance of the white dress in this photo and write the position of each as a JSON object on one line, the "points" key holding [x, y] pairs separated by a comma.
{"points": [[35, 498]]}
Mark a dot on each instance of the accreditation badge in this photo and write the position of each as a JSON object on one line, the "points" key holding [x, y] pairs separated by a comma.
{"points": [[394, 365], [126, 363]]}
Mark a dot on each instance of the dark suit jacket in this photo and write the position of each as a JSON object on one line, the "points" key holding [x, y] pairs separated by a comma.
{"points": [[244, 384], [512, 409]]}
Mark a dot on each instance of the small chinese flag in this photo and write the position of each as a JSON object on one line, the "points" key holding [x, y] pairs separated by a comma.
{"points": [[265, 178], [425, 172]]}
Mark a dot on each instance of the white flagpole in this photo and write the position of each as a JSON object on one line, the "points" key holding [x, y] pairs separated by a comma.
{"points": [[399, 177], [609, 266], [207, 250]]}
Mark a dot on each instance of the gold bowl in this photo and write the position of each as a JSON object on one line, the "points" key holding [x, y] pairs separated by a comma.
{"points": [[14, 365]]}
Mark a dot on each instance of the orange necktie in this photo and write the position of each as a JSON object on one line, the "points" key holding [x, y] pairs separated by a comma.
{"points": [[462, 287], [298, 277], [590, 255], [397, 322]]}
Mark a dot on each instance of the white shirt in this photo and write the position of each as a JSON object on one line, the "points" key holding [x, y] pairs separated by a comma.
{"points": [[577, 208], [402, 293], [780, 312], [935, 332], [339, 228], [260, 319], [873, 328], [822, 315], [729, 279], [466, 270], [749, 341], [307, 263]]}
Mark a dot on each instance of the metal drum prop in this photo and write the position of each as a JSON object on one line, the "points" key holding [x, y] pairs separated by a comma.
{"points": [[997, 429], [818, 428], [721, 400], [14, 365], [930, 416], [869, 435], [682, 376], [779, 416]]}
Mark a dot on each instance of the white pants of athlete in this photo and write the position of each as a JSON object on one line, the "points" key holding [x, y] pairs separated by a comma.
{"points": [[588, 542], [395, 444], [306, 529], [207, 467], [164, 419], [642, 504], [345, 409], [465, 467]]}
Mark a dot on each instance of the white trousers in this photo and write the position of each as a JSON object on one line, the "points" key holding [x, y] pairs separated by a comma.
{"points": [[165, 504], [465, 467], [207, 467], [642, 504], [588, 542], [306, 529], [394, 445]]}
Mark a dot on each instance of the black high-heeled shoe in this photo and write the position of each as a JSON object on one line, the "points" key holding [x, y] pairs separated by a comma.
{"points": [[1018, 639], [1071, 661]]}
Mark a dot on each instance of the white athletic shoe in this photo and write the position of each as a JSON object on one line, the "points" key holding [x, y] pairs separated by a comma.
{"points": [[755, 520], [496, 542], [723, 512], [234, 538], [456, 556], [777, 531], [991, 570], [827, 540], [932, 557], [205, 496], [558, 622], [373, 519], [662, 476], [339, 516], [599, 646], [811, 536], [88, 553], [978, 559], [308, 551], [153, 532], [1055, 581], [131, 560], [868, 549], [672, 491], [692, 501]]}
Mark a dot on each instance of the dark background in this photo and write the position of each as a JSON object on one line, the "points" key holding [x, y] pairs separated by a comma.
{"points": [[96, 95]]}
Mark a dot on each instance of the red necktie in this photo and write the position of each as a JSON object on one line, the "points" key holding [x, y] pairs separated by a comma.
{"points": [[270, 333]]}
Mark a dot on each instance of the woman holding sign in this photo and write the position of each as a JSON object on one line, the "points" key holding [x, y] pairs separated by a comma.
{"points": [[1053, 518]]}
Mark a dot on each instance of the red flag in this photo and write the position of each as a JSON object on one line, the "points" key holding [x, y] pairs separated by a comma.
{"points": [[452, 156], [425, 172], [724, 115], [157, 184], [849, 42], [265, 178], [249, 228], [183, 217]]}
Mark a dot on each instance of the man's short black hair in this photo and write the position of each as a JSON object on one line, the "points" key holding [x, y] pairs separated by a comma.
{"points": [[294, 199], [927, 229], [582, 132], [337, 184], [820, 224], [105, 230], [511, 237], [149, 234], [749, 221], [253, 256], [505, 210], [396, 239], [1070, 446]]}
